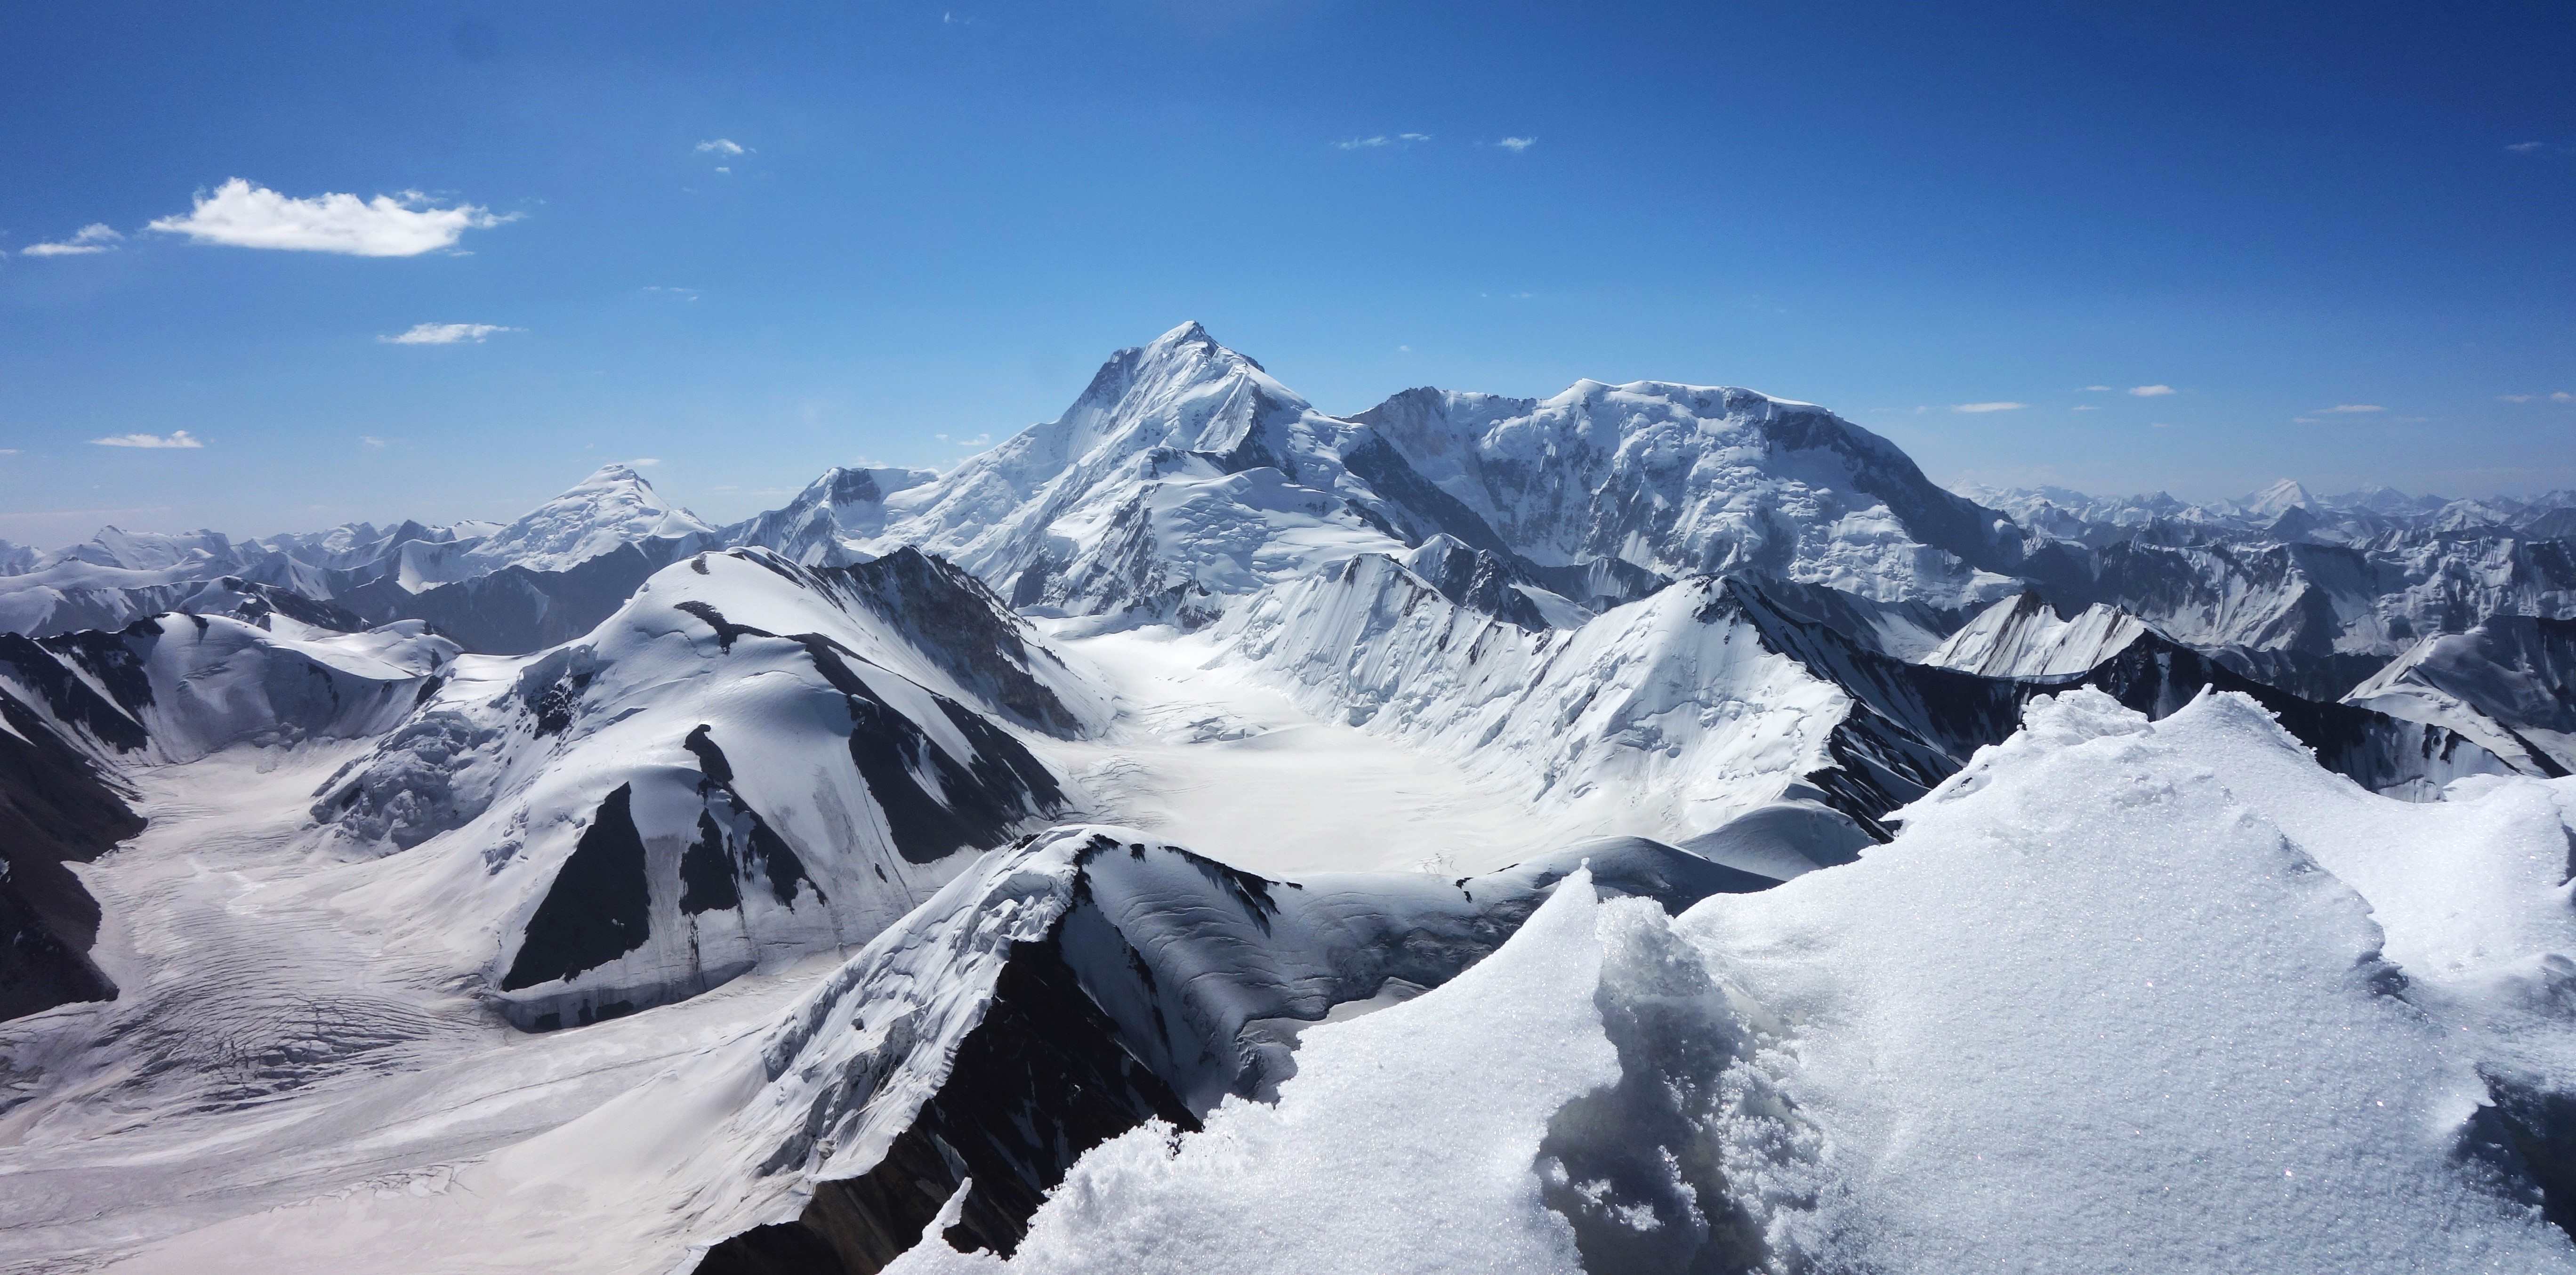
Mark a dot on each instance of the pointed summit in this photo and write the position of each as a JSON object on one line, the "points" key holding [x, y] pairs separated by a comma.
{"points": [[2278, 499], [611, 508]]}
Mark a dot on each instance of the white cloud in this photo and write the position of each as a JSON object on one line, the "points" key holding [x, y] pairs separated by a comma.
{"points": [[2562, 396], [1517, 144], [1404, 349], [685, 294], [721, 168], [1989, 407], [175, 438], [8, 451], [722, 146], [241, 215], [2151, 391], [1361, 143], [97, 236], [1413, 137], [2097, 389], [2086, 407], [2350, 409], [372, 441], [2517, 398], [2159, 425], [645, 462], [444, 333], [2524, 148]]}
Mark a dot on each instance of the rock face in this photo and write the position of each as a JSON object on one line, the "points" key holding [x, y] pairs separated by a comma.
{"points": [[57, 806]]}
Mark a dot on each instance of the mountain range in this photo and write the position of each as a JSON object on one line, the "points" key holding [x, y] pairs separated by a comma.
{"points": [[1654, 826]]}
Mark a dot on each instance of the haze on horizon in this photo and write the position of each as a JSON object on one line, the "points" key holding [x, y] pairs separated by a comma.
{"points": [[330, 264]]}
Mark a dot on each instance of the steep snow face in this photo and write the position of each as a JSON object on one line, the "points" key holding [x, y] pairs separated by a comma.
{"points": [[828, 522], [2026, 637], [749, 761], [1688, 479], [1182, 465], [612, 507], [1670, 714], [2509, 683]]}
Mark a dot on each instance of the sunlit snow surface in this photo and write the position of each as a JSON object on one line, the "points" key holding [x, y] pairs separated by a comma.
{"points": [[2105, 1006]]}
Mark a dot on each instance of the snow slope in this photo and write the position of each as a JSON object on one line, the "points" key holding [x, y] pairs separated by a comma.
{"points": [[2025, 637], [2509, 683], [2101, 1006], [749, 762]]}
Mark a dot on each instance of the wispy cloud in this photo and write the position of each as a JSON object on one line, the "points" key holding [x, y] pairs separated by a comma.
{"points": [[2151, 391], [97, 236], [2517, 398], [2086, 407], [175, 438], [2097, 389], [2562, 396], [2349, 409], [722, 146], [1413, 137], [372, 441], [2525, 148], [8, 451], [685, 294], [1988, 407], [645, 462], [1517, 144], [444, 333], [980, 440], [241, 215]]}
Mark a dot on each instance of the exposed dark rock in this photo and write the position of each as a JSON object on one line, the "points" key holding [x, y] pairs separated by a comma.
{"points": [[599, 907]]}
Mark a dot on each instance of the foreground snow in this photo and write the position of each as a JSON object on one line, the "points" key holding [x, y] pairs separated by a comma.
{"points": [[2103, 1006]]}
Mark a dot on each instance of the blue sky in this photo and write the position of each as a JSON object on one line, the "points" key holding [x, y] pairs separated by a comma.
{"points": [[942, 216]]}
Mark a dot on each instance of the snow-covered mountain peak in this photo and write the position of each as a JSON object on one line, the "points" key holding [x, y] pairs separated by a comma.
{"points": [[613, 507], [2278, 499]]}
